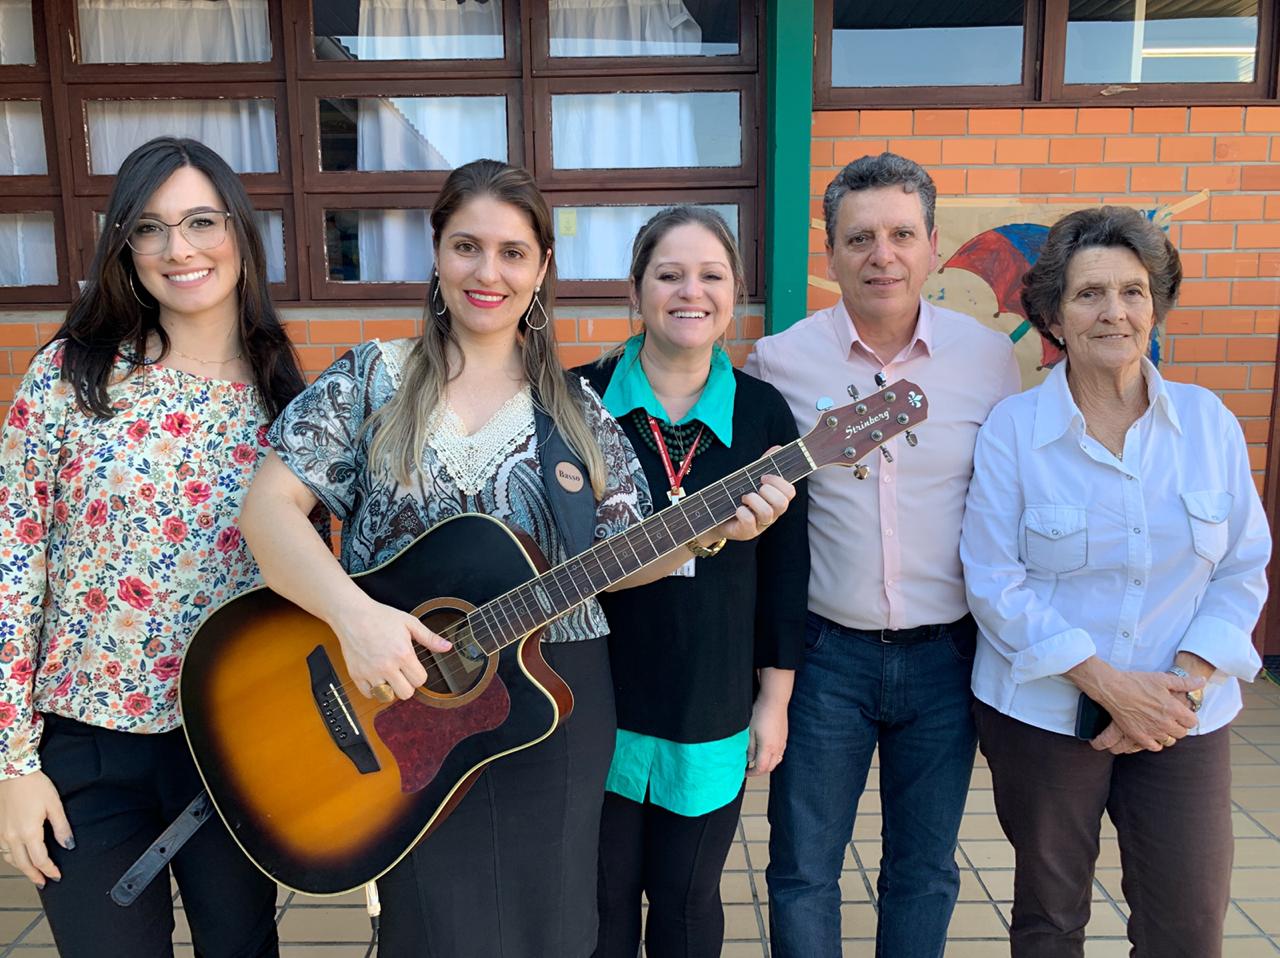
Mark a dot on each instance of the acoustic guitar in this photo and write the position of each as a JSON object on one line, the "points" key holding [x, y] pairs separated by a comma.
{"points": [[326, 790]]}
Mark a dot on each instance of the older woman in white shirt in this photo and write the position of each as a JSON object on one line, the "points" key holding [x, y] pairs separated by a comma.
{"points": [[1114, 550]]}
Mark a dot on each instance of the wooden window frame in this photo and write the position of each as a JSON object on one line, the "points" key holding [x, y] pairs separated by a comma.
{"points": [[750, 226], [60, 292], [545, 65], [88, 183], [1044, 45], [309, 68], [744, 174], [322, 288], [1058, 91], [34, 184], [315, 179], [829, 97], [222, 74], [29, 72]]}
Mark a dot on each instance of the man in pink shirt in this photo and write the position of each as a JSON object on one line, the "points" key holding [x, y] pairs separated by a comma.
{"points": [[889, 642]]}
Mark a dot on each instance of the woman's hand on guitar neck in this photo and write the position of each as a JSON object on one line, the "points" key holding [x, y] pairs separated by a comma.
{"points": [[381, 644], [758, 510]]}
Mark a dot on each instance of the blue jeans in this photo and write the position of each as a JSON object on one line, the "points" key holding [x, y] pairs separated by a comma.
{"points": [[853, 692]]}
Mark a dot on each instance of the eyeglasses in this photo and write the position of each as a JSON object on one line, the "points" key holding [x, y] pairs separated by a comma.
{"points": [[206, 229]]}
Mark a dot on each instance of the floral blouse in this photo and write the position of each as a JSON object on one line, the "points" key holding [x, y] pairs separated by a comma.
{"points": [[116, 537], [322, 439]]}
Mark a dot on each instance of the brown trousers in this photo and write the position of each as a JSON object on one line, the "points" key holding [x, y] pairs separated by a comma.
{"points": [[1172, 812]]}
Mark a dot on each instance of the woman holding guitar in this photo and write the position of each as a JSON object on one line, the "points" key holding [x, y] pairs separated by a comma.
{"points": [[398, 437], [691, 721], [125, 455]]}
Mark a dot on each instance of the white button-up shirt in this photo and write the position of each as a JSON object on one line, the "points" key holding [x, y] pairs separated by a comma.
{"points": [[1070, 552]]}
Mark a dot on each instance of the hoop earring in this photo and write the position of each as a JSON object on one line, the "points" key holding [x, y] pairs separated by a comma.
{"points": [[435, 295], [134, 289], [535, 301]]}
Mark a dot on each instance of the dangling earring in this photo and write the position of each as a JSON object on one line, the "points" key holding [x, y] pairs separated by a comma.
{"points": [[536, 302], [134, 289], [435, 295]]}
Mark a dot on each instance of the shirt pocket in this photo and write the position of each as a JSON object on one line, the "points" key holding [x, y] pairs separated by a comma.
{"points": [[1056, 538], [1207, 511]]}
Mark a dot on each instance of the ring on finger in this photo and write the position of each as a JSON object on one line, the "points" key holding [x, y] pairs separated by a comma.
{"points": [[1169, 740], [383, 692]]}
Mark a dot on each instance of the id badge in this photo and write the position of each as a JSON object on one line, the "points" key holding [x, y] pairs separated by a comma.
{"points": [[685, 570]]}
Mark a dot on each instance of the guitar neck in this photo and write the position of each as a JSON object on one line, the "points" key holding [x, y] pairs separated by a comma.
{"points": [[537, 602]]}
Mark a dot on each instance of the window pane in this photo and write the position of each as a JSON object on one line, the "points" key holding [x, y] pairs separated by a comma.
{"points": [[173, 31], [378, 246], [17, 39], [594, 242], [408, 30], [411, 133], [644, 28], [271, 227], [593, 131], [28, 254], [927, 43], [22, 139], [1161, 41], [242, 131]]}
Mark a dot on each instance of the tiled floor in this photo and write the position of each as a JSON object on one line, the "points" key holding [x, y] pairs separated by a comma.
{"points": [[338, 928]]}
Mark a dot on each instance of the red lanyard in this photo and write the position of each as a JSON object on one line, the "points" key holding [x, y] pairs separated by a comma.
{"points": [[675, 478]]}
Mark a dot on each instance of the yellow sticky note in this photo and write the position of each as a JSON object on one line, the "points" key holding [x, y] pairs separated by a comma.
{"points": [[567, 221]]}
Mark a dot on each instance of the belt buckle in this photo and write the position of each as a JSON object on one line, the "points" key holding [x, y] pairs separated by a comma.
{"points": [[884, 638]]}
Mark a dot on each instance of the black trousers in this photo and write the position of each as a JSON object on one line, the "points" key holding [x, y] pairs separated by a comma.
{"points": [[1172, 812], [120, 791], [676, 861]]}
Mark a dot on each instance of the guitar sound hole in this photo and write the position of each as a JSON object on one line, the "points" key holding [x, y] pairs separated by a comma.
{"points": [[457, 671]]}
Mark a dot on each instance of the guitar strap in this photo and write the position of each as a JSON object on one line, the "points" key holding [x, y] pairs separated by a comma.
{"points": [[143, 872], [564, 477]]}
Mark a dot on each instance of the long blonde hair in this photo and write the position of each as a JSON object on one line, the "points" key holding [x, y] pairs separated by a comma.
{"points": [[401, 425]]}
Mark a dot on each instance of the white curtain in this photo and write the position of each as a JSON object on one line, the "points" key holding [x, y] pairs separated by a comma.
{"points": [[270, 224], [28, 255], [430, 133], [17, 40], [174, 31], [594, 242], [601, 131], [22, 139], [395, 246], [243, 132], [623, 28], [429, 30]]}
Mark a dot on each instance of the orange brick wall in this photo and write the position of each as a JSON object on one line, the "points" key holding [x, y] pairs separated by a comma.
{"points": [[1223, 334], [321, 335]]}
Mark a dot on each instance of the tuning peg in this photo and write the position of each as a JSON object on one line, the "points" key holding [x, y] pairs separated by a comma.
{"points": [[853, 391], [861, 472], [881, 380], [824, 404], [888, 456], [912, 439]]}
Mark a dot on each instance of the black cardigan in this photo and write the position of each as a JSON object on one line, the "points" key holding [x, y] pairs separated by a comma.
{"points": [[684, 650]]}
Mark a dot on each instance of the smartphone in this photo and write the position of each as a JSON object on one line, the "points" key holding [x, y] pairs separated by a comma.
{"points": [[1091, 719]]}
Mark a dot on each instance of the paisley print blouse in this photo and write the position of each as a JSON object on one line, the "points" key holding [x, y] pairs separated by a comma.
{"points": [[116, 537], [322, 439]]}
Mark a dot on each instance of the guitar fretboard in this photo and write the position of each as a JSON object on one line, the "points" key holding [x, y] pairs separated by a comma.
{"points": [[537, 602]]}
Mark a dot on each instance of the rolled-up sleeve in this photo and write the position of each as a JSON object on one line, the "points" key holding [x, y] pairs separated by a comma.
{"points": [[1221, 630], [1031, 634]]}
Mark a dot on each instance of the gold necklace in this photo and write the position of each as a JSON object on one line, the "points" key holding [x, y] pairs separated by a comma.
{"points": [[207, 362]]}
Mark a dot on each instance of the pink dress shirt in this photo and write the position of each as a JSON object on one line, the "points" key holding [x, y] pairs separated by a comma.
{"points": [[886, 549]]}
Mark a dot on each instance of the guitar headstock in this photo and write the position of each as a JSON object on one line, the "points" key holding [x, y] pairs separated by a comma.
{"points": [[843, 436]]}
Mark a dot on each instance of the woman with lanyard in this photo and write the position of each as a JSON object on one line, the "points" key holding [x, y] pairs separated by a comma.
{"points": [[132, 439], [685, 650], [396, 437]]}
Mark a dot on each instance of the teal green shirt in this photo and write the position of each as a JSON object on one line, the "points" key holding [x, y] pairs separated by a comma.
{"points": [[629, 389], [686, 778]]}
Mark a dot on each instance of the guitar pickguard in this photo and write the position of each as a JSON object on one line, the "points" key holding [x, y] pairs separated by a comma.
{"points": [[420, 737]]}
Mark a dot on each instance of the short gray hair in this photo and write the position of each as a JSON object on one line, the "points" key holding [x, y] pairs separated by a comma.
{"points": [[869, 172]]}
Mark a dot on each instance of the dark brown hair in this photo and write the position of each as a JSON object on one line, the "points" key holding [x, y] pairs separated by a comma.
{"points": [[109, 318], [1045, 283]]}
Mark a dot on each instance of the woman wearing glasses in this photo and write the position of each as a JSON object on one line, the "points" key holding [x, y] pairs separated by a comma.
{"points": [[124, 458]]}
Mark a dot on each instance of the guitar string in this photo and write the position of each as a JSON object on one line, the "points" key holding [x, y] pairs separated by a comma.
{"points": [[720, 490], [715, 496]]}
